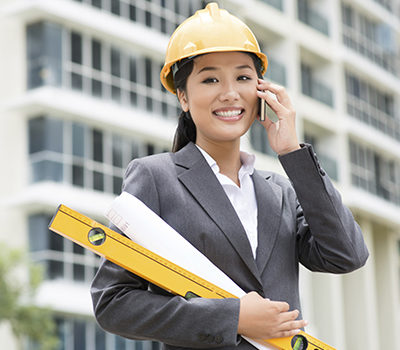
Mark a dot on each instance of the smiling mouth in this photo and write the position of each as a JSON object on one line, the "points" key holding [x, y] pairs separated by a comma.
{"points": [[231, 115]]}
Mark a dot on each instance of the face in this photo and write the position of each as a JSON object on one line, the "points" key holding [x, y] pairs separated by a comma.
{"points": [[221, 96]]}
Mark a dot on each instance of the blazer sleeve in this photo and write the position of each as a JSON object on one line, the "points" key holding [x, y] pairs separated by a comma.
{"points": [[125, 304], [328, 238]]}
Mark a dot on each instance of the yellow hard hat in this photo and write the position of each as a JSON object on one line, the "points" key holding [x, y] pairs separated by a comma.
{"points": [[208, 30]]}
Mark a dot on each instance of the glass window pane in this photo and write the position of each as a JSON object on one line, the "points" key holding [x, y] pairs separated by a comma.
{"points": [[98, 181], [120, 343], [45, 134], [47, 170], [97, 88], [117, 184], [116, 93], [97, 3], [96, 54], [115, 63], [77, 175], [132, 70], [132, 12], [54, 135], [56, 242], [38, 232], [97, 144], [149, 149], [149, 76], [79, 335], [117, 151], [55, 269], [78, 272], [78, 140], [100, 339], [76, 48], [115, 7], [76, 81], [36, 134], [77, 249]]}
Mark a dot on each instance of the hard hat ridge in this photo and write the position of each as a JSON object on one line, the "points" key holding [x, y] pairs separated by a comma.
{"points": [[208, 30]]}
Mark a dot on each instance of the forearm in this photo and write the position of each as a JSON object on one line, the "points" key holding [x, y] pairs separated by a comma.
{"points": [[123, 305], [330, 239]]}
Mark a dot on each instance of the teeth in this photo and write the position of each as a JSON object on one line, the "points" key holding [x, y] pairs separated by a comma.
{"points": [[229, 113]]}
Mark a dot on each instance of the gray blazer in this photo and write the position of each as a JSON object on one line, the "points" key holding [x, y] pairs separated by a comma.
{"points": [[299, 221]]}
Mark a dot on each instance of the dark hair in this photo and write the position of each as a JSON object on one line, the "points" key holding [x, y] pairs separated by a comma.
{"points": [[186, 129]]}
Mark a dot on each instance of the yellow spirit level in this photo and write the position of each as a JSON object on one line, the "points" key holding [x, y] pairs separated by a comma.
{"points": [[153, 268]]}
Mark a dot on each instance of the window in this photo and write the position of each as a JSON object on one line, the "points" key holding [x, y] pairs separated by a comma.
{"points": [[44, 52], [374, 40], [371, 105], [259, 140], [313, 88], [375, 173], [75, 153], [162, 15], [77, 333], [60, 57], [61, 258]]}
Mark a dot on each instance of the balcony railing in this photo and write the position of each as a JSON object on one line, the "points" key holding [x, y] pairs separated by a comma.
{"points": [[312, 18], [383, 57], [316, 90], [372, 116]]}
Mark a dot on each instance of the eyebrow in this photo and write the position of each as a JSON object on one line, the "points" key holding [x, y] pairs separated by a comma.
{"points": [[211, 68]]}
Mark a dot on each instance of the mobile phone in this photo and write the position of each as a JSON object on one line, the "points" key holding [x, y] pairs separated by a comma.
{"points": [[266, 111], [263, 109]]}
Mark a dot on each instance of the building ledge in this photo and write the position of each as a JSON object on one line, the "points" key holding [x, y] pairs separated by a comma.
{"points": [[373, 137], [75, 105], [92, 20], [373, 207], [47, 196], [65, 296]]}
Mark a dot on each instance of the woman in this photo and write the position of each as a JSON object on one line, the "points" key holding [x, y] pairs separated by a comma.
{"points": [[255, 226]]}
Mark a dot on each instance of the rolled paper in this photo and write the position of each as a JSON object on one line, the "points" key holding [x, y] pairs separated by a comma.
{"points": [[147, 229]]}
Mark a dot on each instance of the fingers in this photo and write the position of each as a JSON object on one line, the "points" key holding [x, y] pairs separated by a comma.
{"points": [[279, 91]]}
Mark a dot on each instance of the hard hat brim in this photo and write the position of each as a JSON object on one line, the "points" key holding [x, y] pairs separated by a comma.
{"points": [[166, 75]]}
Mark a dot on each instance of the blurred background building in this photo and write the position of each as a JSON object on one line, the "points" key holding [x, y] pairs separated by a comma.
{"points": [[80, 97]]}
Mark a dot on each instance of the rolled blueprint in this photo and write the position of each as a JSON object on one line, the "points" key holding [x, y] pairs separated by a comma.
{"points": [[147, 229]]}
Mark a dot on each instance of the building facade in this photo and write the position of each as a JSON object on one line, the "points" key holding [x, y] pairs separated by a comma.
{"points": [[80, 97]]}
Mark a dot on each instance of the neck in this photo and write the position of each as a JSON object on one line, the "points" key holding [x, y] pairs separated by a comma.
{"points": [[227, 156]]}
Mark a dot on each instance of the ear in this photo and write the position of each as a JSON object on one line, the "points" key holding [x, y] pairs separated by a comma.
{"points": [[183, 100]]}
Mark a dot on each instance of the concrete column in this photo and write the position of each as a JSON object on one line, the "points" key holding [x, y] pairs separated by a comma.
{"points": [[328, 309], [359, 290], [387, 282]]}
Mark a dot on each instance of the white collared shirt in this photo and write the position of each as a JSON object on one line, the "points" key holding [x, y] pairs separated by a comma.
{"points": [[243, 198]]}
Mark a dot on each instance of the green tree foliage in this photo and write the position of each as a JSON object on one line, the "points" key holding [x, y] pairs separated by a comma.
{"points": [[16, 301]]}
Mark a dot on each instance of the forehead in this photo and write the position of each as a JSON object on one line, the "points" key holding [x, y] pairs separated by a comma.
{"points": [[225, 59]]}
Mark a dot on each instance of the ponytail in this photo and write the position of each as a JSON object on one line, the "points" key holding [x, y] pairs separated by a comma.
{"points": [[185, 132]]}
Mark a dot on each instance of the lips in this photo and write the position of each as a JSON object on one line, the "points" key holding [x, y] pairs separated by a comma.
{"points": [[229, 114]]}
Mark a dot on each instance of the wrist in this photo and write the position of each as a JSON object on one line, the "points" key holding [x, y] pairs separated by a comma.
{"points": [[289, 150]]}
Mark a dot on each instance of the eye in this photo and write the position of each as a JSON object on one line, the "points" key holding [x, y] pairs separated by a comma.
{"points": [[244, 77], [210, 80]]}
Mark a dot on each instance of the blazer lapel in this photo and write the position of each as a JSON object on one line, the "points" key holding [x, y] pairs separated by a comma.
{"points": [[202, 183], [269, 203]]}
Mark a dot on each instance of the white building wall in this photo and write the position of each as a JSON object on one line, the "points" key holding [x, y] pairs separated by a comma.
{"points": [[355, 311]]}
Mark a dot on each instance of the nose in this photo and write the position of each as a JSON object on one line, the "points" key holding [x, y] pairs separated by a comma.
{"points": [[228, 93]]}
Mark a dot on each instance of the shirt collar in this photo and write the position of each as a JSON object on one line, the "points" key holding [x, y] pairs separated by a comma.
{"points": [[247, 160]]}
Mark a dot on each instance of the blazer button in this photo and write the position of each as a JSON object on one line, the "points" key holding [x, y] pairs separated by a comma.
{"points": [[219, 339], [202, 337]]}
